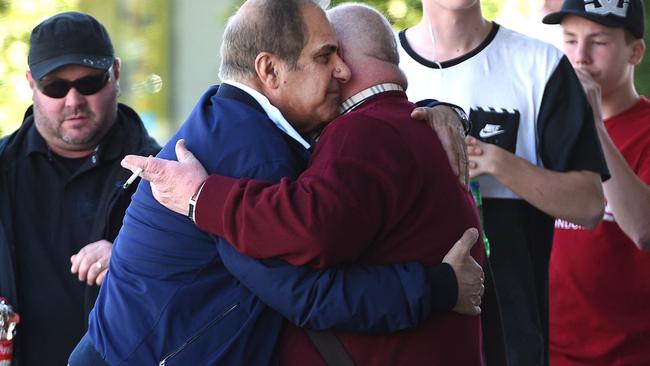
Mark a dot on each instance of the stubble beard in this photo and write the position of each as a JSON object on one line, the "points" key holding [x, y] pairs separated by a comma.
{"points": [[94, 130]]}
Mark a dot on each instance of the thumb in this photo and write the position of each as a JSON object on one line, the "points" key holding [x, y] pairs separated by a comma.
{"points": [[182, 153], [465, 243], [419, 113]]}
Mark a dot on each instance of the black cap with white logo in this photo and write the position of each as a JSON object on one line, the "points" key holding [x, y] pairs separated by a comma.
{"points": [[627, 14], [69, 38]]}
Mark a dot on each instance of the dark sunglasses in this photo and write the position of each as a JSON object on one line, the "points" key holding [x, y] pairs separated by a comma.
{"points": [[87, 85]]}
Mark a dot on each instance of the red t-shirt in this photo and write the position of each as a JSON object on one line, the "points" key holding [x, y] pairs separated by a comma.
{"points": [[599, 279]]}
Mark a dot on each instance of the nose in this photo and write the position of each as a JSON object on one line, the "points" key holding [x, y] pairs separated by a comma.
{"points": [[74, 98], [341, 70], [582, 54]]}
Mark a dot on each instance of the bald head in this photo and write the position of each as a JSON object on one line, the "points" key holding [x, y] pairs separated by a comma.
{"points": [[364, 30], [274, 26], [368, 47]]}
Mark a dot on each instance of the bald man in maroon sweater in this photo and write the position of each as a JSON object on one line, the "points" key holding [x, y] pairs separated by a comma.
{"points": [[379, 190]]}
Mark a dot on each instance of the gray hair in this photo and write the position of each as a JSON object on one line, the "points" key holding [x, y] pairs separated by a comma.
{"points": [[364, 28], [274, 26]]}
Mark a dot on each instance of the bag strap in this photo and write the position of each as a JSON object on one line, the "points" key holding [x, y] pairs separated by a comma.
{"points": [[330, 348]]}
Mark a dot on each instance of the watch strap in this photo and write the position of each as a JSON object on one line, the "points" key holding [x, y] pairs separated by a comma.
{"points": [[460, 112]]}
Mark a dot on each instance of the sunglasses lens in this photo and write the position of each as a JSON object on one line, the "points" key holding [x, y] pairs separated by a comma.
{"points": [[90, 85], [87, 85], [55, 88]]}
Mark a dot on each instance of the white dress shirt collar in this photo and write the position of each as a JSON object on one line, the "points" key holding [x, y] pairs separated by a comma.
{"points": [[272, 112]]}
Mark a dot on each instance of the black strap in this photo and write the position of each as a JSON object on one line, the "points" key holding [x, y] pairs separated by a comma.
{"points": [[330, 348], [494, 345]]}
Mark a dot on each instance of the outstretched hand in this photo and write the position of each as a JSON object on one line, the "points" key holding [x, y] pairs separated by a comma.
{"points": [[173, 183]]}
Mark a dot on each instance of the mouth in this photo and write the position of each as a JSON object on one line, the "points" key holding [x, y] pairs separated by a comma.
{"points": [[591, 73], [76, 120]]}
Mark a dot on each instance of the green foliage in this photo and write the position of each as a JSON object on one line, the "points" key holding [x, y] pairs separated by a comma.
{"points": [[642, 75], [401, 13], [140, 33], [17, 18]]}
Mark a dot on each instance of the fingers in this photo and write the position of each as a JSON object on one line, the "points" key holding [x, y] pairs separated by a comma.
{"points": [[453, 148], [470, 298], [94, 271], [74, 267], [91, 261], [469, 274], [463, 166], [469, 309], [133, 162], [152, 167], [473, 146], [476, 310], [100, 278], [81, 264], [419, 113]]}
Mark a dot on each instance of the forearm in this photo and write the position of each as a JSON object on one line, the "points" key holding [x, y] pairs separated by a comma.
{"points": [[300, 223], [575, 196], [356, 298], [627, 196]]}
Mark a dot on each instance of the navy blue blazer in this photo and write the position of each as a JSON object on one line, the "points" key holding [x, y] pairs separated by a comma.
{"points": [[173, 293]]}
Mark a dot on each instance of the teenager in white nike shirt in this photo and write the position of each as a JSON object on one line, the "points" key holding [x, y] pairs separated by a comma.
{"points": [[535, 151], [600, 278]]}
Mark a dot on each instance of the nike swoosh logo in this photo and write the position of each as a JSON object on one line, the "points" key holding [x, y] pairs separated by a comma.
{"points": [[490, 130]]}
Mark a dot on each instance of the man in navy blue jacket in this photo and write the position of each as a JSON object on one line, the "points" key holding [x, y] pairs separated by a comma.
{"points": [[169, 297]]}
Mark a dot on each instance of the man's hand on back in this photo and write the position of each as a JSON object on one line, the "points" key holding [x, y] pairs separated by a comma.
{"points": [[449, 128], [469, 274]]}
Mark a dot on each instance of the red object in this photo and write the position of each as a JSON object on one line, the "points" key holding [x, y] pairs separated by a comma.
{"points": [[8, 322], [599, 279], [6, 350]]}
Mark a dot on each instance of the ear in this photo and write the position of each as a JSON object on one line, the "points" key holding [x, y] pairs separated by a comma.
{"points": [[30, 80], [638, 49], [116, 68], [267, 67]]}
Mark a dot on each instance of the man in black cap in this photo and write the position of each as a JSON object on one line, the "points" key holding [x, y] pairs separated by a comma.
{"points": [[600, 278], [61, 185]]}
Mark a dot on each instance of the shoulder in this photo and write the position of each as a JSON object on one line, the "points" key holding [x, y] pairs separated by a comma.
{"points": [[228, 136], [380, 125], [526, 53], [3, 143], [380, 115]]}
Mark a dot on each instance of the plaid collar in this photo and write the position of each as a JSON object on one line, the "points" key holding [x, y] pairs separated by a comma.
{"points": [[355, 100]]}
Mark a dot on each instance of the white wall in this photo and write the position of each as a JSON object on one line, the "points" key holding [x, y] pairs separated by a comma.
{"points": [[197, 27]]}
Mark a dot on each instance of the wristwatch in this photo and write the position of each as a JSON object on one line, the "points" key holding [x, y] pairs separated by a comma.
{"points": [[462, 116], [191, 213], [191, 206]]}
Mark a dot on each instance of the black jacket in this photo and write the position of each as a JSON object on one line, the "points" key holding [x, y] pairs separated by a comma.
{"points": [[112, 206]]}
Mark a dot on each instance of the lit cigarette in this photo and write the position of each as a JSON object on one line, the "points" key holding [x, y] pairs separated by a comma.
{"points": [[132, 178]]}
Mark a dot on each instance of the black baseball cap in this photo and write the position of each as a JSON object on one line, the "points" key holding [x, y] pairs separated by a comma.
{"points": [[627, 14], [69, 38]]}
